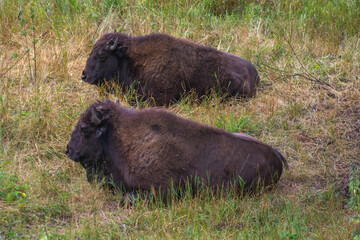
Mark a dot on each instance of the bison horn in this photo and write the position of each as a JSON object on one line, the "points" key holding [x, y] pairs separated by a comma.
{"points": [[94, 118], [114, 46]]}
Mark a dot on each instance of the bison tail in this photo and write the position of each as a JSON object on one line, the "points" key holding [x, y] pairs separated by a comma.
{"points": [[282, 159]]}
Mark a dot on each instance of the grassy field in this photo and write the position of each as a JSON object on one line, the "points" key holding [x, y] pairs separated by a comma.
{"points": [[308, 106]]}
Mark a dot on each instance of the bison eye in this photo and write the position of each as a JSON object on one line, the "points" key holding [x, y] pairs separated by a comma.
{"points": [[86, 129], [101, 55]]}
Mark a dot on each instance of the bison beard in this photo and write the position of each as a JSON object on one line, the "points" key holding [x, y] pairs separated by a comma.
{"points": [[164, 68], [151, 149]]}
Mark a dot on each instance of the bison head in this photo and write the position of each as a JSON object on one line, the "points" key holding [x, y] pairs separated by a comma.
{"points": [[107, 60], [88, 141]]}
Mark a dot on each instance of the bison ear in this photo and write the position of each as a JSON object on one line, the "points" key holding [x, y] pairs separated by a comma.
{"points": [[120, 52], [102, 113], [94, 118]]}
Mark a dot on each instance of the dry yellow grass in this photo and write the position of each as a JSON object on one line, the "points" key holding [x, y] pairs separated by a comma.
{"points": [[317, 128]]}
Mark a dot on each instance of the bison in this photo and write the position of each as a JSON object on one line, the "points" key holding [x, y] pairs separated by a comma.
{"points": [[154, 149], [164, 67]]}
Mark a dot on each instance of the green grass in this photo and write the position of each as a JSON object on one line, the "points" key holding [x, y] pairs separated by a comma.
{"points": [[307, 106]]}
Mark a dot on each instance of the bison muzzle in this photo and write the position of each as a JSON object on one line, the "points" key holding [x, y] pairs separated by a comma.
{"points": [[151, 149], [165, 68]]}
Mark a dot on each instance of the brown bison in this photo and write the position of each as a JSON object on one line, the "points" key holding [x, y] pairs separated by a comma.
{"points": [[165, 67], [142, 150]]}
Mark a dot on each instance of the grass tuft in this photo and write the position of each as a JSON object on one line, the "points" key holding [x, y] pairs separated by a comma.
{"points": [[307, 106]]}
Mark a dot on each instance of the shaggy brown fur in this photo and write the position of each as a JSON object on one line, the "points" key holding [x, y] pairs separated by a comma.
{"points": [[165, 67], [141, 150]]}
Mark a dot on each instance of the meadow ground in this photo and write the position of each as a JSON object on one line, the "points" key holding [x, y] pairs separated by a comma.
{"points": [[308, 106]]}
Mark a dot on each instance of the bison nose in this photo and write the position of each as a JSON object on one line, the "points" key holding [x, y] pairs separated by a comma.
{"points": [[83, 76], [67, 151], [72, 154]]}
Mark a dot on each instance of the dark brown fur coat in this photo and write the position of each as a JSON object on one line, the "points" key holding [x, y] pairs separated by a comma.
{"points": [[165, 67], [140, 150]]}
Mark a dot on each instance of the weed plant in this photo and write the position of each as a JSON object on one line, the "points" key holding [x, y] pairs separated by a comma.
{"points": [[307, 106]]}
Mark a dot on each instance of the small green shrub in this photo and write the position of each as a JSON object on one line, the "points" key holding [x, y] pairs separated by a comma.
{"points": [[10, 189], [354, 189]]}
